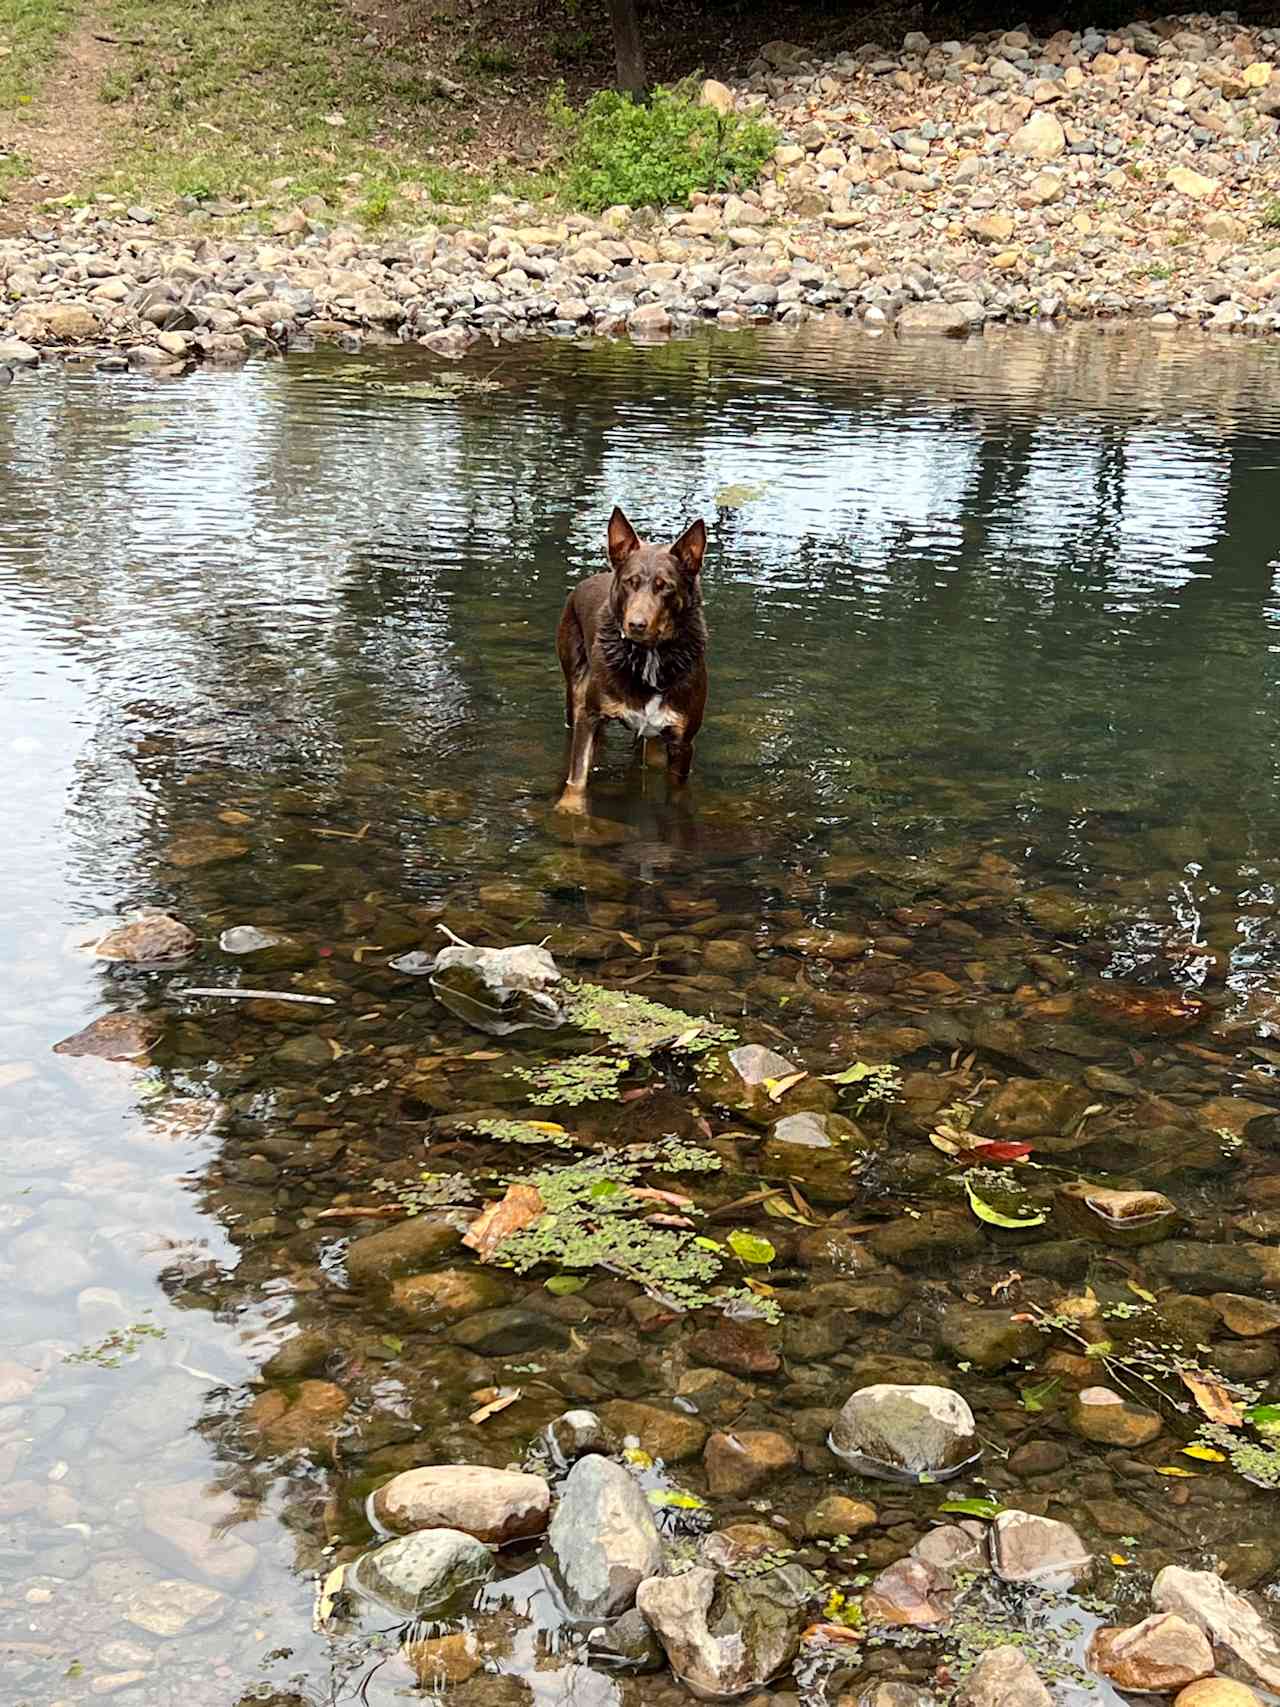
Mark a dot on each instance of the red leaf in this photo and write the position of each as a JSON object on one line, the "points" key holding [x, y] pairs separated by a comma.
{"points": [[992, 1152]]}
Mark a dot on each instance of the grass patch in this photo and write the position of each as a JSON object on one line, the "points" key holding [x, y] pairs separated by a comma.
{"points": [[31, 31], [1271, 216], [657, 154], [243, 99], [13, 167]]}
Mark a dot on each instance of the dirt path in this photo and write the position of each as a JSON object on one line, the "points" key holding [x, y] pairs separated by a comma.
{"points": [[70, 136]]}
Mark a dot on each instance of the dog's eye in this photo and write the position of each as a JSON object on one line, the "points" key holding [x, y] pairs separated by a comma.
{"points": [[662, 586]]}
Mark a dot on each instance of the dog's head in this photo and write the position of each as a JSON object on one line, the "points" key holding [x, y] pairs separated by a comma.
{"points": [[653, 585]]}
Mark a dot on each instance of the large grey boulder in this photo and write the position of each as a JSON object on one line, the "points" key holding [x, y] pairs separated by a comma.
{"points": [[434, 1573], [604, 1541], [906, 1433], [725, 1638]]}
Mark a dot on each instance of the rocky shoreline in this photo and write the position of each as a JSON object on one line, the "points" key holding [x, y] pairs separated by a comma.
{"points": [[939, 189]]}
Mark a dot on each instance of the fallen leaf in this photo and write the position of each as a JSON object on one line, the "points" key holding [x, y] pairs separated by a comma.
{"points": [[988, 1151], [1214, 1400], [996, 1217], [327, 1594], [1174, 1470], [1119, 1559], [1141, 1292], [521, 1207], [506, 1396], [830, 1633], [1206, 1453], [750, 1247], [778, 1088], [632, 942], [972, 1508], [675, 1498], [560, 1285], [652, 1194]]}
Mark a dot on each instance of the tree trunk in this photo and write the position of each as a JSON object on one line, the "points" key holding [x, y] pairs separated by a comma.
{"points": [[628, 46]]}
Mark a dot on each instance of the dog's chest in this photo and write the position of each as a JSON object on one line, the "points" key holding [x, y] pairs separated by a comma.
{"points": [[651, 720]]}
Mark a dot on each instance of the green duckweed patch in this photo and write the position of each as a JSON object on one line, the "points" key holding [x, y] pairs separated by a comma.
{"points": [[112, 1349], [594, 1220], [581, 1078], [638, 1025]]}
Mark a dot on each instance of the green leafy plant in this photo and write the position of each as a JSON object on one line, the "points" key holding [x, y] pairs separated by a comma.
{"points": [[111, 1350], [430, 1191], [1271, 216], [656, 154], [640, 1026], [582, 1078], [543, 1132], [592, 1220], [876, 1084]]}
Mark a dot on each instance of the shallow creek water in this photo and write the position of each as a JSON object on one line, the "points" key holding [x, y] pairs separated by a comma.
{"points": [[995, 647]]}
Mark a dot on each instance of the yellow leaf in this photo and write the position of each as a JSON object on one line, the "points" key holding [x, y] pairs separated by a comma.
{"points": [[940, 1141], [632, 942], [1141, 1292], [327, 1595], [641, 1460], [778, 1088], [1174, 1470], [691, 1036], [552, 1126], [1207, 1453], [1120, 1559]]}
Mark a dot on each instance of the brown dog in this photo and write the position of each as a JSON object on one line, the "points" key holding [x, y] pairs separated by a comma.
{"points": [[632, 646]]}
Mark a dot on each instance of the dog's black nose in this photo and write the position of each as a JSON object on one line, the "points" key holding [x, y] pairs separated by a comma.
{"points": [[636, 629]]}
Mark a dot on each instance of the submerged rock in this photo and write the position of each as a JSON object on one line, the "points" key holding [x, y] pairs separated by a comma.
{"points": [[911, 1592], [113, 1037], [173, 1607], [742, 1080], [936, 1239], [1031, 1108], [1143, 1013], [440, 1662], [906, 1433], [1115, 1217], [1030, 1549], [1226, 1617], [1161, 1654], [1100, 1415], [434, 1573], [988, 1339], [1245, 1316], [738, 1463], [951, 1547], [669, 1435], [409, 1245], [837, 1514], [495, 1506], [1003, 1677], [725, 1638], [151, 937], [192, 1522], [199, 849], [821, 1152], [603, 1538]]}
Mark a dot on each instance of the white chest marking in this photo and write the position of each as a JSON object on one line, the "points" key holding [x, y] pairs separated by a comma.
{"points": [[651, 720]]}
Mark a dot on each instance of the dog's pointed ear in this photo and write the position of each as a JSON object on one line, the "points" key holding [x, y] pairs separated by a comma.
{"points": [[623, 538], [688, 549]]}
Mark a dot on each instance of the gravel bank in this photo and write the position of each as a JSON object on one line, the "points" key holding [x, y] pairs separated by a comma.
{"points": [[935, 190]]}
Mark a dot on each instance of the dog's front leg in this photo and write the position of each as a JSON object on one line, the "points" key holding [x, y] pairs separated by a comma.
{"points": [[582, 746], [679, 761]]}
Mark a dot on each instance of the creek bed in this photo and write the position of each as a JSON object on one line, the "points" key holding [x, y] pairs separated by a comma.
{"points": [[986, 797]]}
